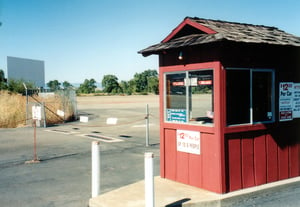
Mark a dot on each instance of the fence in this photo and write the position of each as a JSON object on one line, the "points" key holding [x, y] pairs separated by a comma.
{"points": [[56, 107]]}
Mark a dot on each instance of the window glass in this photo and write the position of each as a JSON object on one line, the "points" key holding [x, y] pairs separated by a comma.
{"points": [[238, 96], [201, 96], [189, 97], [176, 97], [249, 96], [262, 96]]}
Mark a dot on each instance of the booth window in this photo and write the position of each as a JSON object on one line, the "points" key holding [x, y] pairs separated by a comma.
{"points": [[189, 97], [250, 96]]}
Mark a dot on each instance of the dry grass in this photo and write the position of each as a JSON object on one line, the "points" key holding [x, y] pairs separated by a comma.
{"points": [[13, 109], [54, 103]]}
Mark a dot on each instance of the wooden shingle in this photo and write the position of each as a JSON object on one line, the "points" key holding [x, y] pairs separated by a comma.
{"points": [[190, 33]]}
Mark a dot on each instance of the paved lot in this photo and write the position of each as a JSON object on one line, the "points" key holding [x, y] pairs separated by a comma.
{"points": [[62, 178]]}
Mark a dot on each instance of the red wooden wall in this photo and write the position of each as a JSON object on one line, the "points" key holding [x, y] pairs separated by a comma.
{"points": [[231, 158], [202, 170], [255, 158], [206, 170]]}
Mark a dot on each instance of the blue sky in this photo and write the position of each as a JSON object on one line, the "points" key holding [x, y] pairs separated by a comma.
{"points": [[81, 39]]}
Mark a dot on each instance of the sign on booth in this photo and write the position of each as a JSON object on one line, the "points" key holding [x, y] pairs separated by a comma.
{"points": [[188, 141], [289, 101]]}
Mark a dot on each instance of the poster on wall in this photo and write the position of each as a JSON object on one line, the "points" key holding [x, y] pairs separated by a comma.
{"points": [[286, 101], [296, 100], [176, 115], [188, 141]]}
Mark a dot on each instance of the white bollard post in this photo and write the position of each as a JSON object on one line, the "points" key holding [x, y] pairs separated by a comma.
{"points": [[147, 125], [149, 180], [95, 168]]}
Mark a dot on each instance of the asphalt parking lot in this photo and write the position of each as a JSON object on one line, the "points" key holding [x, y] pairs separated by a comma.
{"points": [[63, 177]]}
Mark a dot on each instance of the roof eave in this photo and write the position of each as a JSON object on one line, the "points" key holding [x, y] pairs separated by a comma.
{"points": [[188, 21]]}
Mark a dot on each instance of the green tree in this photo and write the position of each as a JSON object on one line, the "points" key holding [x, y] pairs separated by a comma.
{"points": [[17, 86], [141, 80], [125, 86], [88, 86], [110, 84], [3, 81], [153, 85], [67, 85], [2, 77], [54, 85]]}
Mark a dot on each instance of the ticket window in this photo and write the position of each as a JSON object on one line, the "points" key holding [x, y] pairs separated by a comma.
{"points": [[189, 97], [250, 96]]}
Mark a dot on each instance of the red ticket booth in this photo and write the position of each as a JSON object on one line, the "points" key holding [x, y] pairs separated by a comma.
{"points": [[229, 104]]}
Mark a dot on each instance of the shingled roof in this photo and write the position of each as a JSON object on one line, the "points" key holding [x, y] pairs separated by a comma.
{"points": [[196, 31]]}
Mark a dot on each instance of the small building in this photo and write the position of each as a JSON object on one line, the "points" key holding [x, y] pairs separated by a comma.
{"points": [[229, 104]]}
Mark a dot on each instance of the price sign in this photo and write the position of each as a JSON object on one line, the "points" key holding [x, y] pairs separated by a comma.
{"points": [[296, 101], [286, 101], [188, 141]]}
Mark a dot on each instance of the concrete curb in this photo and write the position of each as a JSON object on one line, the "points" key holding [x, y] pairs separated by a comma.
{"points": [[169, 193]]}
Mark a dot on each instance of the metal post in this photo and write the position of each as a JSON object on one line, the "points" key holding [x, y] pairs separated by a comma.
{"points": [[26, 93], [95, 168], [44, 113], [34, 142], [149, 180], [147, 125], [35, 158]]}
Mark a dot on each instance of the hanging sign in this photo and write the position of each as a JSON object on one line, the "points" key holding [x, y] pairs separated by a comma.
{"points": [[188, 141], [285, 101], [36, 113], [296, 100]]}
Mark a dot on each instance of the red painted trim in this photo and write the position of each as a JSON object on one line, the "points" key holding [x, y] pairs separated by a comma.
{"points": [[194, 66], [243, 128], [191, 23], [219, 111], [162, 132], [192, 127]]}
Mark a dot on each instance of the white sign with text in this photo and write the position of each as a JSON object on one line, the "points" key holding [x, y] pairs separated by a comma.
{"points": [[285, 101], [296, 101], [188, 141], [36, 113]]}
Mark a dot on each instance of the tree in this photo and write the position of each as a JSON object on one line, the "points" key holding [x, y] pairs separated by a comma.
{"points": [[3, 80], [17, 86], [2, 77], [153, 85], [110, 84], [67, 85], [88, 86], [54, 85], [142, 80], [126, 88]]}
